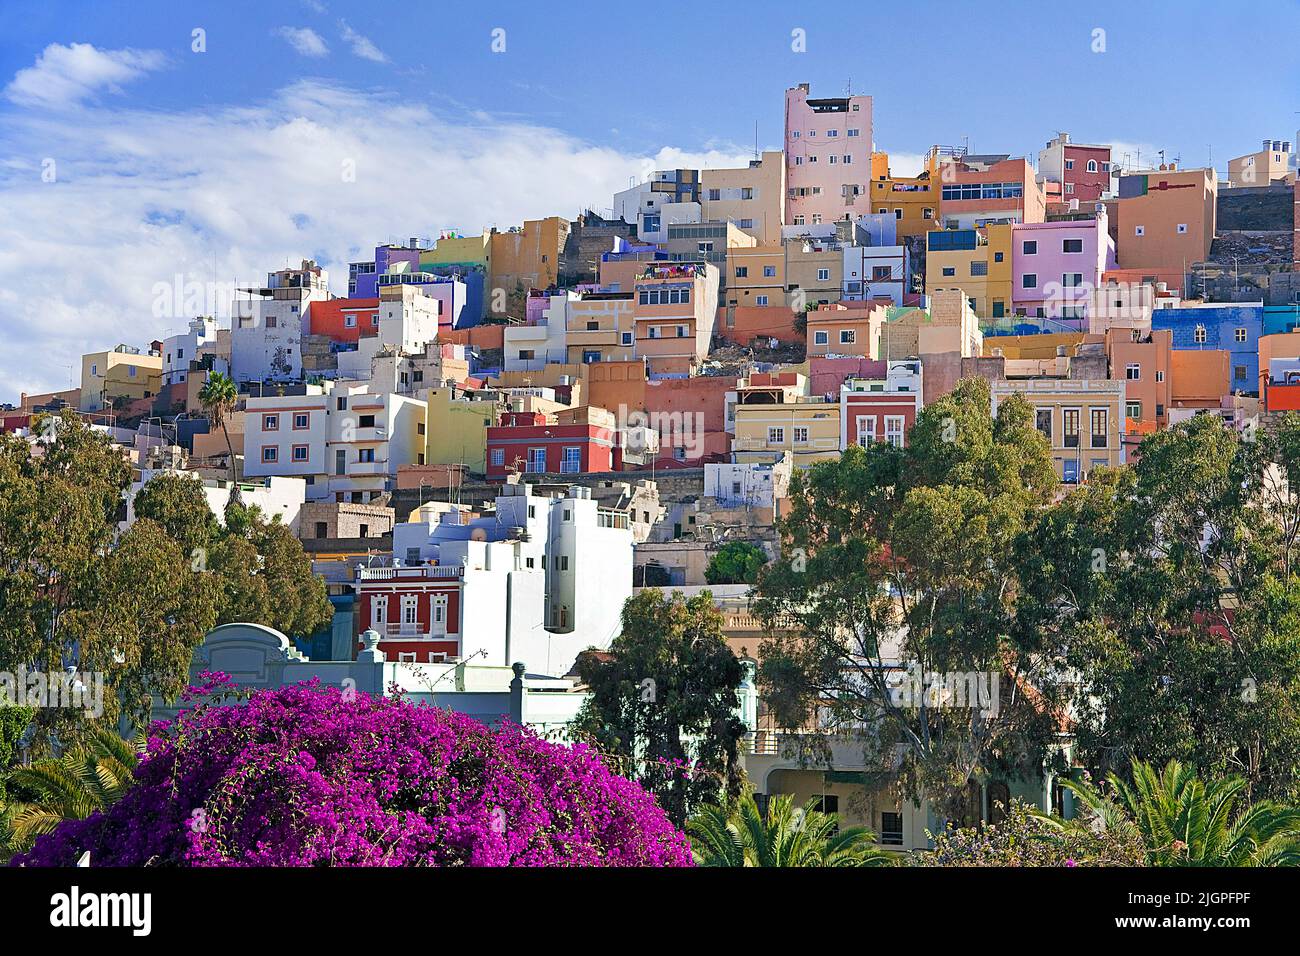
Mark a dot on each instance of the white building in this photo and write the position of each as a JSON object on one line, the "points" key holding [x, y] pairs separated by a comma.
{"points": [[752, 485], [874, 272], [652, 210], [179, 350], [266, 332], [529, 348], [540, 579], [345, 441], [273, 496]]}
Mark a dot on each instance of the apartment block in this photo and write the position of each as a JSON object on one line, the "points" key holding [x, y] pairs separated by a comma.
{"points": [[1082, 420], [978, 262], [120, 373], [752, 197], [1165, 221], [1057, 264], [1083, 171], [674, 312], [881, 409]]}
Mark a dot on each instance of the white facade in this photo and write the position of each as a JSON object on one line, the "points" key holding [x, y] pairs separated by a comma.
{"points": [[179, 350], [874, 272], [345, 441], [755, 485], [545, 576], [266, 332], [653, 212], [272, 496], [529, 348]]}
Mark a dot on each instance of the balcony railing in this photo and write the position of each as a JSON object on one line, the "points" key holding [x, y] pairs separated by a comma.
{"points": [[415, 631], [424, 572]]}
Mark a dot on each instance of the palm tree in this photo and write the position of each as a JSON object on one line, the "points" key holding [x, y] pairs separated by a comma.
{"points": [[72, 787], [1186, 822], [783, 837], [219, 396]]}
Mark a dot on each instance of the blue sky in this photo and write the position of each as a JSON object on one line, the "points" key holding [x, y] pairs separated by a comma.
{"points": [[223, 164]]}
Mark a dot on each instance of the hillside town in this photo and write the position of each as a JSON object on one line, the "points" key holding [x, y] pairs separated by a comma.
{"points": [[505, 451]]}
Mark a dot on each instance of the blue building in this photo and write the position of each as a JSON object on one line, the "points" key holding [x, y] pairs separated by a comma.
{"points": [[1233, 327]]}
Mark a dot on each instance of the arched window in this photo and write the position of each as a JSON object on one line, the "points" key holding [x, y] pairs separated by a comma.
{"points": [[1092, 165]]}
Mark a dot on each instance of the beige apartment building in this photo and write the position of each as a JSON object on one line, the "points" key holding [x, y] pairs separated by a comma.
{"points": [[122, 372], [750, 197], [600, 327], [755, 275], [1082, 420]]}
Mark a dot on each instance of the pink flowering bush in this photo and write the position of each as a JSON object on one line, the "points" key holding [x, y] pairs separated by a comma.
{"points": [[309, 776]]}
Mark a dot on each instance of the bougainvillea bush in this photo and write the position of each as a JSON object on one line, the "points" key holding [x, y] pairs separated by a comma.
{"points": [[314, 776]]}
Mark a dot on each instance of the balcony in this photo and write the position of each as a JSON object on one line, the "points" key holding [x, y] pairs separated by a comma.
{"points": [[415, 632], [421, 572]]}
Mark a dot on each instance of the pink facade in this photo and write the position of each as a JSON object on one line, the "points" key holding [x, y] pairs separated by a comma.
{"points": [[827, 157], [1056, 265]]}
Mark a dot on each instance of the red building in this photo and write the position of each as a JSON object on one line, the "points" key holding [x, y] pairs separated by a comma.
{"points": [[1082, 170], [416, 611], [344, 320], [881, 409], [532, 442]]}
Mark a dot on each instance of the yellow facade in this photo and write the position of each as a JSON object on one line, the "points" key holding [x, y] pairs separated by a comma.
{"points": [[983, 273], [809, 430], [600, 327], [752, 197], [522, 259], [756, 275], [814, 274], [456, 429], [118, 373], [913, 201], [1041, 346], [1082, 419]]}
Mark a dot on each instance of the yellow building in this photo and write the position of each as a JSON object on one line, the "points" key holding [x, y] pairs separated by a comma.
{"points": [[977, 261], [1082, 419], [774, 415], [456, 429], [912, 200], [756, 275], [466, 251], [600, 327], [814, 272], [1040, 346], [122, 372], [1271, 164], [751, 197], [524, 258]]}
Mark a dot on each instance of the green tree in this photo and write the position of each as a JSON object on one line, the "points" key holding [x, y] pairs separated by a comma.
{"points": [[176, 502], [1169, 588], [903, 558], [783, 836], [664, 701], [86, 780], [1184, 821], [219, 396], [14, 722], [736, 562]]}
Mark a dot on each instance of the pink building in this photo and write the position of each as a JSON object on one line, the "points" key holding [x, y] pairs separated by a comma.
{"points": [[1056, 266], [827, 157], [1083, 171]]}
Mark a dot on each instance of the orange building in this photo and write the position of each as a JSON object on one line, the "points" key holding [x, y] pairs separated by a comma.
{"points": [[1143, 360], [1165, 221], [344, 320], [841, 329], [674, 311], [1199, 379]]}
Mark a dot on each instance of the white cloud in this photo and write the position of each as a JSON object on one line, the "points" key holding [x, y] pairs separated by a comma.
{"points": [[66, 75], [219, 195], [305, 40], [361, 46], [906, 164]]}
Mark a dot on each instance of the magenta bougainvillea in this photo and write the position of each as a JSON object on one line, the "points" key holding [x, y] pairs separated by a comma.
{"points": [[313, 776]]}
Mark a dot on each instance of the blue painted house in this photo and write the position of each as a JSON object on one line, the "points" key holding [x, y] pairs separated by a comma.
{"points": [[1233, 327]]}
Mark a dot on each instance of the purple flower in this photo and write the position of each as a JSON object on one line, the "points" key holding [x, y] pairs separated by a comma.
{"points": [[299, 776]]}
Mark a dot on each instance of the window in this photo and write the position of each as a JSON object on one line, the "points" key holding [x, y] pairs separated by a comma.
{"points": [[593, 326], [769, 272], [299, 452], [366, 455], [1069, 164], [366, 421], [760, 300], [1182, 228], [1198, 335], [1092, 165], [853, 132], [627, 338], [866, 430], [819, 338], [270, 453], [880, 273], [891, 828], [742, 272], [928, 213], [1029, 247], [979, 268], [848, 336], [800, 435], [301, 420], [525, 355], [1029, 280], [498, 457], [833, 159], [1043, 422], [379, 610], [847, 158], [949, 270], [776, 436], [1160, 376], [270, 423], [1070, 427], [1071, 280], [894, 430], [571, 463], [823, 275], [1072, 245], [997, 257], [1069, 189], [1133, 410], [1133, 372], [270, 322], [1239, 373], [1099, 416], [536, 460], [342, 405], [1239, 335], [1139, 230]]}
